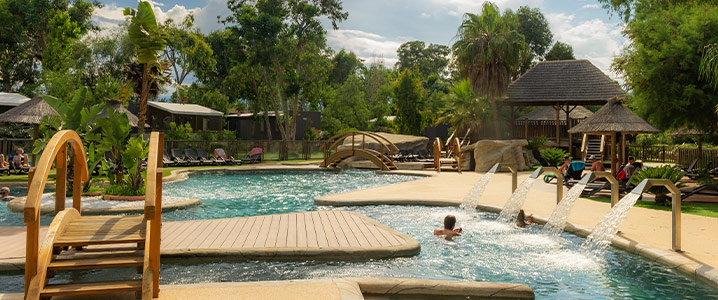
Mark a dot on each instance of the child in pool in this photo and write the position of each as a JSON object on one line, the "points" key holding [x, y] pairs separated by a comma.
{"points": [[522, 220], [448, 232]]}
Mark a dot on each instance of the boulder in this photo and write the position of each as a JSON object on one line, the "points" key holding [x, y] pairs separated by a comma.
{"points": [[487, 153], [405, 143]]}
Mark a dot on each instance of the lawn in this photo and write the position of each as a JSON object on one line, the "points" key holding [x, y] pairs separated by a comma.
{"points": [[699, 209]]}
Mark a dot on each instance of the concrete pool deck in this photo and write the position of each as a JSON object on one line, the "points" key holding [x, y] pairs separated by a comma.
{"points": [[646, 232], [322, 235], [329, 289]]}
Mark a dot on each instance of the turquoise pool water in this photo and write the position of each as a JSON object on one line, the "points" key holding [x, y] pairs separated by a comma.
{"points": [[488, 251], [8, 218]]}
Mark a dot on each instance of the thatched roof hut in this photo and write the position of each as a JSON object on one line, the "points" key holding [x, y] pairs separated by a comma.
{"points": [[548, 113], [612, 118], [120, 109], [30, 112]]}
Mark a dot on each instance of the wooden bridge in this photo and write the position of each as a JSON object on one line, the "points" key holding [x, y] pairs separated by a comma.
{"points": [[70, 229], [382, 158], [448, 155]]}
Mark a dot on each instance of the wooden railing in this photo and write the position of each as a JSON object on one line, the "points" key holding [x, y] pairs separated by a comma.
{"points": [[387, 148], [55, 151], [153, 215], [452, 150]]}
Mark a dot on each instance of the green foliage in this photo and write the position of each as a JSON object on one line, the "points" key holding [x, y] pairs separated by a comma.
{"points": [[560, 51], [347, 107], [674, 174], [408, 93], [427, 59], [187, 49], [653, 139], [662, 66], [135, 150], [463, 109], [204, 96], [113, 133], [180, 132], [64, 33], [146, 36], [709, 64], [344, 64], [15, 130], [537, 34], [553, 156], [124, 190], [535, 143]]}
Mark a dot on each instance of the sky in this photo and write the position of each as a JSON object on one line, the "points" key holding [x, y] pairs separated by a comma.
{"points": [[376, 28]]}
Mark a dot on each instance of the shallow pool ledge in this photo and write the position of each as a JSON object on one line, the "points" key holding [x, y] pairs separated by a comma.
{"points": [[670, 258]]}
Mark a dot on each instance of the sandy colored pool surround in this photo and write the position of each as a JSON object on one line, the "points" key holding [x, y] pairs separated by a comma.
{"points": [[330, 289], [645, 232]]}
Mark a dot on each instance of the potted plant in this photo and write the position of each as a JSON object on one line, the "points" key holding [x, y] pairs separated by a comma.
{"points": [[673, 174]]}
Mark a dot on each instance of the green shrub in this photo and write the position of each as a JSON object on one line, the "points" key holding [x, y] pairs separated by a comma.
{"points": [[664, 172], [553, 156], [535, 143], [124, 190]]}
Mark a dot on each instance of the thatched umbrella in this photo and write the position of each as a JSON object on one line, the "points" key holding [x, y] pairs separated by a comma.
{"points": [[693, 132], [120, 109], [611, 119], [30, 112]]}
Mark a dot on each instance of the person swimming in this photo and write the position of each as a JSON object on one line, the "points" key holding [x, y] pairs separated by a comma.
{"points": [[522, 220], [5, 194], [448, 232]]}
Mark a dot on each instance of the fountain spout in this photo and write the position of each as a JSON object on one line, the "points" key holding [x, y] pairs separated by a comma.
{"points": [[675, 205], [559, 178], [614, 184], [514, 174]]}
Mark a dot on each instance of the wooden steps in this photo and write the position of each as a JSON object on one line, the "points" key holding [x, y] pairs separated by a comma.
{"points": [[91, 288], [102, 230], [94, 263]]}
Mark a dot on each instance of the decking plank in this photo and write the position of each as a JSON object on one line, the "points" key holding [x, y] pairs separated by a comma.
{"points": [[222, 236], [375, 232], [192, 234], [212, 235], [337, 229], [171, 241], [328, 230], [273, 233], [303, 229], [249, 233], [238, 240], [319, 230], [347, 228], [283, 231], [292, 229]]}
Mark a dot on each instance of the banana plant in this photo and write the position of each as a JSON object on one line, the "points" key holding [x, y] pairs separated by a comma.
{"points": [[113, 132], [671, 173], [132, 156]]}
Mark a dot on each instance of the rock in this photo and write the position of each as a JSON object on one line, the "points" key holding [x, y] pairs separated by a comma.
{"points": [[405, 143], [487, 153]]}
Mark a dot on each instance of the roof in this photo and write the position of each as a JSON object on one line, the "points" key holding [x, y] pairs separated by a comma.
{"points": [[12, 99], [251, 114], [548, 113], [185, 109], [614, 117], [576, 82], [121, 109], [30, 112]]}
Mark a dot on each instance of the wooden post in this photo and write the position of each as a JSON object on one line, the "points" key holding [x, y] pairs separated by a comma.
{"points": [[613, 154], [700, 152], [77, 183], [623, 148], [156, 224], [558, 128], [526, 128], [60, 178], [35, 136]]}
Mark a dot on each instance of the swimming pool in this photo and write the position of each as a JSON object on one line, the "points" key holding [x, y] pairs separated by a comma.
{"points": [[9, 218], [488, 251]]}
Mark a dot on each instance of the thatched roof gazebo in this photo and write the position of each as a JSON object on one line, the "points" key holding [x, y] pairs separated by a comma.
{"points": [[120, 109], [612, 119], [563, 85], [547, 113], [30, 112], [684, 131]]}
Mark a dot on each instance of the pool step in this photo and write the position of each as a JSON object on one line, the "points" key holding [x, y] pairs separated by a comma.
{"points": [[91, 288]]}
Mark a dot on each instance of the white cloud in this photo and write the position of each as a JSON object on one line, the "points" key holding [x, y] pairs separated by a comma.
{"points": [[368, 46], [592, 39], [453, 13], [474, 6], [425, 15], [111, 15], [590, 6]]}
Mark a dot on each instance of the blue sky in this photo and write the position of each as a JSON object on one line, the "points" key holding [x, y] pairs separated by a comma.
{"points": [[375, 28]]}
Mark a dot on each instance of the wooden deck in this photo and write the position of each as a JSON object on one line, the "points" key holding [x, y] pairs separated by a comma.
{"points": [[326, 234]]}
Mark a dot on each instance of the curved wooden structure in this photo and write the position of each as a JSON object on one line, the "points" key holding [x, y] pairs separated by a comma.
{"points": [[449, 157], [70, 229], [383, 158]]}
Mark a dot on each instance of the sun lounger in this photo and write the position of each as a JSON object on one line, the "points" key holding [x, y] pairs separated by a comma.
{"points": [[166, 160], [221, 155], [178, 157], [191, 157], [202, 156], [254, 156]]}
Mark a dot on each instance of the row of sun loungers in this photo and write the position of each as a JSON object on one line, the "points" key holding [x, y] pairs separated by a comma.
{"points": [[199, 157]]}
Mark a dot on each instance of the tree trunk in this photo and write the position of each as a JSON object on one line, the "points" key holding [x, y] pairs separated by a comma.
{"points": [[497, 130], [143, 99]]}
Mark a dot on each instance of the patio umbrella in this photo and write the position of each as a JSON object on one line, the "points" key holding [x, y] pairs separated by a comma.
{"points": [[611, 119], [30, 112], [693, 132]]}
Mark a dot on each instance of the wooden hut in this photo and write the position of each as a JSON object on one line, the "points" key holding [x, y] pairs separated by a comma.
{"points": [[614, 119], [562, 85], [10, 100], [29, 112]]}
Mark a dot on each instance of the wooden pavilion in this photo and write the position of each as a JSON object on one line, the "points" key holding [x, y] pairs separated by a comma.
{"points": [[614, 119], [29, 112], [563, 85]]}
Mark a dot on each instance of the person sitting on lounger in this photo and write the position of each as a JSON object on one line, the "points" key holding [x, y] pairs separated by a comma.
{"points": [[522, 220], [20, 160], [566, 163], [595, 164], [5, 194], [630, 167], [448, 232]]}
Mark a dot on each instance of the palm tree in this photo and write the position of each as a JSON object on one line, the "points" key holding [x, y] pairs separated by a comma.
{"points": [[489, 51], [709, 64], [463, 109], [149, 40]]}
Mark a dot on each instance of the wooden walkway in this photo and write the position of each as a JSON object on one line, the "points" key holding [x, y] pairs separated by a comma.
{"points": [[326, 234]]}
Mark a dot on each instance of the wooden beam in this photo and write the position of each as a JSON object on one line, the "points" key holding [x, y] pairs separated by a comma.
{"points": [[613, 154], [558, 128]]}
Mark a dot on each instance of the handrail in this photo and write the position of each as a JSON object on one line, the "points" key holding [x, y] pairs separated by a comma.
{"points": [[437, 154], [153, 209], [456, 148], [387, 147]]}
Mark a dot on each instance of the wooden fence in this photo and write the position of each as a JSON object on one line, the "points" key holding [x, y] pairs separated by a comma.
{"points": [[675, 155]]}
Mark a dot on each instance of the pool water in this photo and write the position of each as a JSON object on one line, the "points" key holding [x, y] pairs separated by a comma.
{"points": [[9, 218], [229, 194]]}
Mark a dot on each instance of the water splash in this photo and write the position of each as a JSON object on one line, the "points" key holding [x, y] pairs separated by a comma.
{"points": [[514, 204], [471, 200], [559, 216], [601, 236]]}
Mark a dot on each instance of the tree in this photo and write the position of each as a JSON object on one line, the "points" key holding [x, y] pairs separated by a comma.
{"points": [[431, 59], [488, 51], [207, 97], [29, 29], [348, 108], [709, 64], [344, 64], [662, 65], [285, 41], [148, 39], [463, 109], [536, 32], [560, 51], [186, 49], [408, 94]]}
